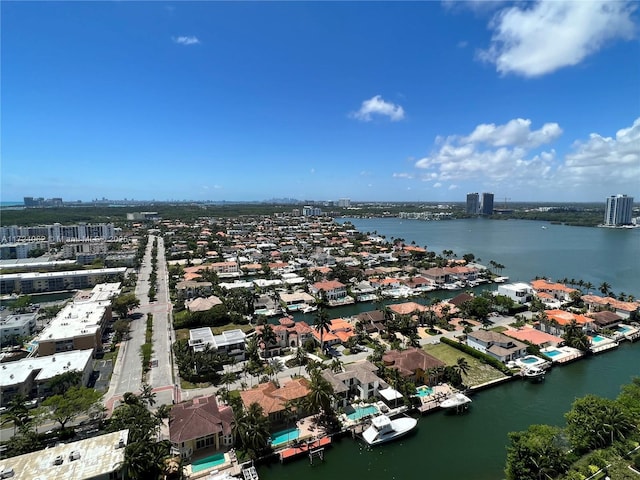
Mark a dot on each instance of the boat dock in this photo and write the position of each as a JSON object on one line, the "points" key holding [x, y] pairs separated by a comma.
{"points": [[314, 448]]}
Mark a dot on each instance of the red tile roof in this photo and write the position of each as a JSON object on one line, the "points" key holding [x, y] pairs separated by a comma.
{"points": [[198, 418]]}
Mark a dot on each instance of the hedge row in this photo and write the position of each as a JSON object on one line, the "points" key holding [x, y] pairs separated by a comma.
{"points": [[483, 357]]}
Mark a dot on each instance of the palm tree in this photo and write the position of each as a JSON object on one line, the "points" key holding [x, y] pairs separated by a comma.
{"points": [[588, 286], [276, 366], [147, 394], [268, 336], [228, 378], [336, 365], [322, 324], [462, 366], [605, 288], [320, 396], [251, 429], [301, 358]]}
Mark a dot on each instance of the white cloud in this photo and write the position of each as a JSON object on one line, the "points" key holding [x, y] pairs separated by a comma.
{"points": [[496, 156], [533, 39], [377, 106], [403, 175], [604, 159], [453, 187], [186, 40], [515, 132], [437, 185]]}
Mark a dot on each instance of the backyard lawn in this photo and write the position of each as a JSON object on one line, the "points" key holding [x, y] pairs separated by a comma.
{"points": [[479, 373]]}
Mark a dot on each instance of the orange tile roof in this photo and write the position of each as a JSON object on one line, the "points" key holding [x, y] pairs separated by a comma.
{"points": [[542, 284], [562, 317], [407, 308], [533, 335], [273, 399], [617, 304]]}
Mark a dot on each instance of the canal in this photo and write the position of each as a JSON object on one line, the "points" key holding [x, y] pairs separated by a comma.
{"points": [[472, 445]]}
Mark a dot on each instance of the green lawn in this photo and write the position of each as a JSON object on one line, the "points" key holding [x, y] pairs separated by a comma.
{"points": [[480, 372], [111, 355], [498, 329]]}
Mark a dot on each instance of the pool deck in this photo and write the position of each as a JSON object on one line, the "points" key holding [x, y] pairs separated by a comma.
{"points": [[303, 447], [230, 466], [432, 402]]}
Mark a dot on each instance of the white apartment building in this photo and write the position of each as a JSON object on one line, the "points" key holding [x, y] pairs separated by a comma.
{"points": [[618, 211]]}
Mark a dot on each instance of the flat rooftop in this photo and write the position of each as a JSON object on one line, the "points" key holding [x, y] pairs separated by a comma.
{"points": [[75, 320], [13, 373], [94, 457]]}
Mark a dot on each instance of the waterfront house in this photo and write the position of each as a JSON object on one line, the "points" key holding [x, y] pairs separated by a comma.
{"points": [[605, 320], [413, 363], [624, 309], [558, 291], [357, 379], [518, 292], [436, 275], [200, 423], [555, 322], [534, 336], [331, 290], [274, 400], [496, 344], [407, 308]]}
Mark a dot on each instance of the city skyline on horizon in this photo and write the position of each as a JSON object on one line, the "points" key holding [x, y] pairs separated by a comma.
{"points": [[376, 102]]}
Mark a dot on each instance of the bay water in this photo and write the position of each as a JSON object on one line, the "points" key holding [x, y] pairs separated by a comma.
{"points": [[473, 445]]}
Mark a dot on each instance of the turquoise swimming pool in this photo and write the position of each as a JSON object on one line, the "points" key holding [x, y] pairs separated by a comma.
{"points": [[597, 339], [208, 462], [362, 412], [552, 353], [623, 329], [530, 360], [284, 436], [424, 391]]}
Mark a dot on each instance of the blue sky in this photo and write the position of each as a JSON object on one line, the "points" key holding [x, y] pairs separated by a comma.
{"points": [[416, 101]]}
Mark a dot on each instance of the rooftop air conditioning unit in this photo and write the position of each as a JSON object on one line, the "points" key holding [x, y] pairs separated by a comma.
{"points": [[58, 460], [121, 443], [74, 455]]}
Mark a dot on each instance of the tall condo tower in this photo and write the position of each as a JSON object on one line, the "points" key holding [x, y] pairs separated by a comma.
{"points": [[618, 210], [486, 207], [473, 203]]}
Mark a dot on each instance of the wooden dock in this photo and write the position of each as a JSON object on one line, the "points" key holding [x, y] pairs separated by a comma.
{"points": [[305, 447]]}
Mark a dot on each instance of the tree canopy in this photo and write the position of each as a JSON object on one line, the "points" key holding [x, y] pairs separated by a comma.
{"points": [[74, 402]]}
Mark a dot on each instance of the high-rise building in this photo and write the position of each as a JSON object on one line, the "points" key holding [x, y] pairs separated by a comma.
{"points": [[473, 203], [344, 202], [486, 206], [618, 210]]}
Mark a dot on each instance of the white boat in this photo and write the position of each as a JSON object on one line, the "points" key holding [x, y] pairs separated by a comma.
{"points": [[457, 401], [383, 429], [534, 373], [309, 309]]}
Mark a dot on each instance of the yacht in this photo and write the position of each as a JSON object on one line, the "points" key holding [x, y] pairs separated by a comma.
{"points": [[458, 401], [535, 374], [383, 429]]}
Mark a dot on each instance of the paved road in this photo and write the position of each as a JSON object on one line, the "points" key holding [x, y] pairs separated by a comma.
{"points": [[127, 373]]}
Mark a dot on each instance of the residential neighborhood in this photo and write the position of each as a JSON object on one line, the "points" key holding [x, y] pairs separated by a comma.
{"points": [[232, 341]]}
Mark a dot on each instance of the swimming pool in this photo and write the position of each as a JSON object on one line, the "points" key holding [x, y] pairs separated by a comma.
{"points": [[623, 329], [529, 360], [285, 436], [208, 462], [552, 353], [424, 391], [362, 412], [597, 339]]}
